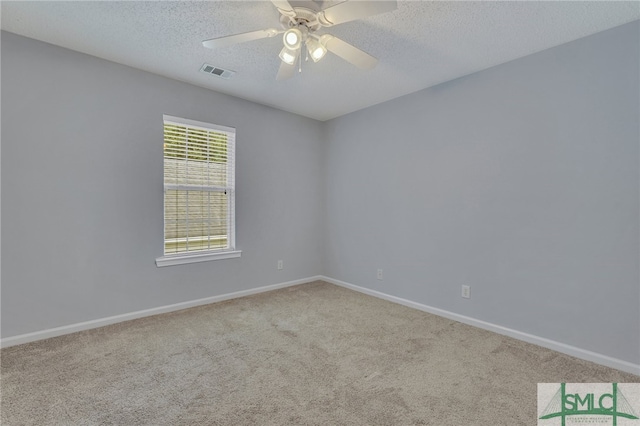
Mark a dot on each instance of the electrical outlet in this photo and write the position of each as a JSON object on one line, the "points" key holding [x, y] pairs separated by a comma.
{"points": [[280, 264], [379, 274], [466, 292]]}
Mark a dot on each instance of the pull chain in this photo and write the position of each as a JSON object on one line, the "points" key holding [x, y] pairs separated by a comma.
{"points": [[300, 63]]}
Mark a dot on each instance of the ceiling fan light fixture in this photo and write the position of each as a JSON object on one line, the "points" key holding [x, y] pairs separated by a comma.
{"points": [[289, 56], [299, 24], [316, 49], [292, 38]]}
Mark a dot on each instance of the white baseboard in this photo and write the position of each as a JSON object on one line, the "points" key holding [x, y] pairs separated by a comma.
{"points": [[101, 322], [529, 338]]}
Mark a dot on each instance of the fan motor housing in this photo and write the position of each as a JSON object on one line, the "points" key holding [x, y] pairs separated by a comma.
{"points": [[304, 17]]}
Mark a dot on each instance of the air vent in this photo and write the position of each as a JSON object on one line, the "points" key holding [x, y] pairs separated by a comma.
{"points": [[218, 72]]}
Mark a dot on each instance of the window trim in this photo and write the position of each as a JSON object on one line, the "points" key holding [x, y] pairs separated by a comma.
{"points": [[203, 255], [195, 257]]}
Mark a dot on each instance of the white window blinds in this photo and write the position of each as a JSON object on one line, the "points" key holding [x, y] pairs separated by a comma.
{"points": [[199, 187]]}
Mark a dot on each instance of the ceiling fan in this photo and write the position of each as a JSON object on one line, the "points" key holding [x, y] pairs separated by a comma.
{"points": [[299, 25]]}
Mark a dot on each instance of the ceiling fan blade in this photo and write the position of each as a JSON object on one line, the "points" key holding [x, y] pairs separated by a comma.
{"points": [[284, 7], [215, 43], [286, 71], [349, 53], [351, 10]]}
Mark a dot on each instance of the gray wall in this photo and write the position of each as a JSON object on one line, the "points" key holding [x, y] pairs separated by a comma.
{"points": [[82, 219], [520, 181]]}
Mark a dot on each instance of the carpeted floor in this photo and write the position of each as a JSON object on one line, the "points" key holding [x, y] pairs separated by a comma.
{"points": [[314, 354]]}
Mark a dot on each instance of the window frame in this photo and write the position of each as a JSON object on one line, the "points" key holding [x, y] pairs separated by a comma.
{"points": [[212, 254]]}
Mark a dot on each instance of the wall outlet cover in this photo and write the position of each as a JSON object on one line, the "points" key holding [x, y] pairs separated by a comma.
{"points": [[466, 291]]}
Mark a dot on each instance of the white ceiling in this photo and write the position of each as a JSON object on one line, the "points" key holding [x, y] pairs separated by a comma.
{"points": [[418, 45]]}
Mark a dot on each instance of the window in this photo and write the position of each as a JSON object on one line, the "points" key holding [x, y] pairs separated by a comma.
{"points": [[199, 192]]}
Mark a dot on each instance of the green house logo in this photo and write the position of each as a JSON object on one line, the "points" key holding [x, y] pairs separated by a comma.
{"points": [[591, 404]]}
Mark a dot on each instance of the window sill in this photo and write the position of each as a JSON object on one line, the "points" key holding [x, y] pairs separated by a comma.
{"points": [[182, 259]]}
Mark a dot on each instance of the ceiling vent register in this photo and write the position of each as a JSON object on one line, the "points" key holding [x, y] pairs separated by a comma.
{"points": [[218, 72]]}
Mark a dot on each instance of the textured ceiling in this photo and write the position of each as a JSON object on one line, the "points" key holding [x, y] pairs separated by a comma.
{"points": [[418, 45]]}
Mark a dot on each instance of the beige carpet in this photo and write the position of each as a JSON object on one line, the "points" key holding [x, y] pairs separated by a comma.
{"points": [[314, 354]]}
